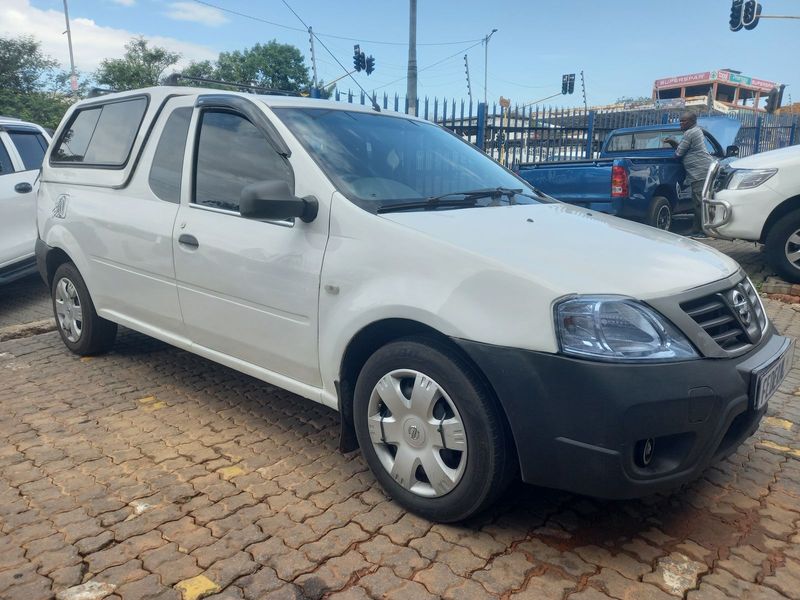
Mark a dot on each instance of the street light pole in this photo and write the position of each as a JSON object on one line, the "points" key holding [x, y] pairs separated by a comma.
{"points": [[73, 81], [485, 62]]}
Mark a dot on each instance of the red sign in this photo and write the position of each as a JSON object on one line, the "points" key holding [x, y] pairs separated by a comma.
{"points": [[683, 79]]}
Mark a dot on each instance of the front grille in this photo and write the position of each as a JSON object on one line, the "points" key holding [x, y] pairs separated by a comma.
{"points": [[724, 323], [721, 180]]}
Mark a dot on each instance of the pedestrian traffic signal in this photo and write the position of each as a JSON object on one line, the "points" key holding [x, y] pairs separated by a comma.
{"points": [[750, 14], [359, 59], [736, 15], [369, 66]]}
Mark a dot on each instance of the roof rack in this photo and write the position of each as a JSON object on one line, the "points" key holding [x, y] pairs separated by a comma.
{"points": [[245, 87], [96, 91]]}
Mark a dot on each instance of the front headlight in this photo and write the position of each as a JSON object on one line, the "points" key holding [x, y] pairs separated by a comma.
{"points": [[745, 179], [615, 328]]}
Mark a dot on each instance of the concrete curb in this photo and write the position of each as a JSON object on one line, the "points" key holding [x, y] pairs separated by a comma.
{"points": [[14, 332]]}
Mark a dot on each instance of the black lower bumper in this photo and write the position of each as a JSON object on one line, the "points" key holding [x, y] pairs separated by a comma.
{"points": [[578, 425]]}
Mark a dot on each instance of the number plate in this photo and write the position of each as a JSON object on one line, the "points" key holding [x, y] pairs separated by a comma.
{"points": [[767, 378]]}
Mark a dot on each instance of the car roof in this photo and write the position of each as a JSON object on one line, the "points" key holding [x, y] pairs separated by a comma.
{"points": [[14, 122], [160, 93]]}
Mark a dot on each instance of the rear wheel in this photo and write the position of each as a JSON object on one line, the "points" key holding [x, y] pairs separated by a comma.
{"points": [[80, 327], [783, 247], [660, 215], [430, 430]]}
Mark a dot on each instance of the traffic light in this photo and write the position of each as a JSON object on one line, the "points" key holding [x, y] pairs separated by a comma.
{"points": [[774, 99], [750, 14], [568, 83], [736, 15], [369, 66], [359, 60]]}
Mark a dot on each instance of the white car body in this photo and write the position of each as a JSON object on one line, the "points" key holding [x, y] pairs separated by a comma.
{"points": [[21, 147], [293, 302], [743, 213]]}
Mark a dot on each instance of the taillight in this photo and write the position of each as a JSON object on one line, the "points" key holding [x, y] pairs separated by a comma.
{"points": [[619, 182]]}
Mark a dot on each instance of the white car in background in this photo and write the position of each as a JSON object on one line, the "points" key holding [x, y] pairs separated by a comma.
{"points": [[22, 147], [757, 198]]}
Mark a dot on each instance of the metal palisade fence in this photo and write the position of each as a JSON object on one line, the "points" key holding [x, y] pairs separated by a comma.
{"points": [[522, 134]]}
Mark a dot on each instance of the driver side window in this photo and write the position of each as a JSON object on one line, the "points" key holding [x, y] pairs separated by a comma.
{"points": [[231, 154]]}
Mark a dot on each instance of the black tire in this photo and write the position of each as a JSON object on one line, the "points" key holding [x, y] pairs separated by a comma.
{"points": [[777, 244], [660, 214], [96, 335], [490, 460]]}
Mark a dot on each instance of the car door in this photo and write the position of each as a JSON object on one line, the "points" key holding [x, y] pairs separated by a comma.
{"points": [[248, 289], [19, 168]]}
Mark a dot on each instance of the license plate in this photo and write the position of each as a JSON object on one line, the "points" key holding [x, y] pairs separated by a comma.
{"points": [[767, 378]]}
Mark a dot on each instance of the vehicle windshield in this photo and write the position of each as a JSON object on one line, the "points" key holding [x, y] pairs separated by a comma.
{"points": [[379, 160]]}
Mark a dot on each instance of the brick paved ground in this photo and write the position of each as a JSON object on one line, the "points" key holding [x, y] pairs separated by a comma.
{"points": [[24, 301], [153, 473]]}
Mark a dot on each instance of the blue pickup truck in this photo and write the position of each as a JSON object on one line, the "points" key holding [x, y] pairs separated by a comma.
{"points": [[636, 176]]}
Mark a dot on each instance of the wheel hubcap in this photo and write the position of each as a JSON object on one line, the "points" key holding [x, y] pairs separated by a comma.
{"points": [[69, 310], [792, 249], [417, 433], [664, 218]]}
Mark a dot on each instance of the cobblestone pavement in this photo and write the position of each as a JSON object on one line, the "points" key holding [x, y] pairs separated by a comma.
{"points": [[24, 301], [153, 473]]}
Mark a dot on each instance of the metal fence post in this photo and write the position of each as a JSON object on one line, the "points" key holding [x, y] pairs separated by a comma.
{"points": [[480, 141], [792, 130], [590, 134], [757, 144]]}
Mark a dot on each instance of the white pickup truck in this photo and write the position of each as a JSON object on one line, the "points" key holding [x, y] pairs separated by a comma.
{"points": [[466, 326], [757, 198], [22, 147]]}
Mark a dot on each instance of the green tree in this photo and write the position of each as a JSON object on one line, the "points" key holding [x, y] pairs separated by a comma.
{"points": [[141, 66], [271, 65], [32, 86], [23, 66]]}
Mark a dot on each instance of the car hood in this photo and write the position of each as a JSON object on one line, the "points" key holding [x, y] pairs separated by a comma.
{"points": [[568, 249], [774, 159], [724, 129]]}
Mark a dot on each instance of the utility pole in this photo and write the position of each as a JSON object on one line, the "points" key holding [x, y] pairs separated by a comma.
{"points": [[486, 63], [583, 89], [469, 86], [313, 58], [411, 82], [73, 79]]}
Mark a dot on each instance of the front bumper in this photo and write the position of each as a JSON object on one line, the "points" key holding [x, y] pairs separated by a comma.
{"points": [[715, 213], [578, 424]]}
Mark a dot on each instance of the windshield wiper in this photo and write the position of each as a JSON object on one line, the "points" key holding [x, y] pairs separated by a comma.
{"points": [[454, 199]]}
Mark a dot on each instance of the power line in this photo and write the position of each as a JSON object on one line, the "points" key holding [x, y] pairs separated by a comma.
{"points": [[333, 56], [328, 35], [438, 62]]}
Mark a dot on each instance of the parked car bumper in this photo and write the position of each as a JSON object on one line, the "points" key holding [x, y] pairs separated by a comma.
{"points": [[579, 425]]}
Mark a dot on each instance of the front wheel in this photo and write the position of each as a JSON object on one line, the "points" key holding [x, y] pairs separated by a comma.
{"points": [[783, 247], [431, 431], [80, 327], [660, 215]]}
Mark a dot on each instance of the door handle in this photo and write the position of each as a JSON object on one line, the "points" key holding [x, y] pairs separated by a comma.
{"points": [[188, 240], [23, 188]]}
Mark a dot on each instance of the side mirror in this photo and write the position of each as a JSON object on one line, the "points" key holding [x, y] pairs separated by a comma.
{"points": [[732, 151], [273, 199]]}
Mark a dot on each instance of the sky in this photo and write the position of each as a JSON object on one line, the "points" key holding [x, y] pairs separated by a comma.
{"points": [[621, 45]]}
